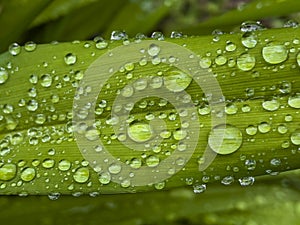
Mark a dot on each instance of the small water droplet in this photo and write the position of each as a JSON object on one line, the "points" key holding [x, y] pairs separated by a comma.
{"points": [[199, 188], [264, 127], [176, 34], [30, 46], [114, 168], [298, 59], [249, 40], [157, 35], [70, 59], [205, 62], [14, 49], [140, 131], [8, 171], [81, 175], [246, 62], [3, 75], [230, 47], [118, 35], [48, 163], [251, 130], [28, 174], [227, 180], [153, 50], [231, 141], [271, 105], [275, 53], [64, 165], [105, 178], [295, 137], [249, 26], [294, 101], [246, 181], [152, 161], [176, 80], [250, 164], [46, 80]]}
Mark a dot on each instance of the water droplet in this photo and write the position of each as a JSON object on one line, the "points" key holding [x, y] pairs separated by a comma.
{"points": [[246, 62], [152, 161], [64, 165], [32, 105], [179, 134], [249, 40], [54, 196], [227, 180], [199, 188], [100, 43], [251, 130], [48, 163], [28, 174], [158, 36], [92, 134], [3, 75], [114, 168], [249, 26], [46, 80], [271, 105], [231, 141], [81, 175], [282, 129], [231, 109], [298, 59], [135, 163], [118, 35], [16, 139], [275, 53], [14, 49], [140, 131], [294, 101], [205, 62], [264, 127], [230, 47], [246, 181], [291, 23], [250, 164], [295, 137], [176, 34], [30, 46], [220, 60], [176, 80], [104, 178], [8, 171], [153, 50], [70, 59]]}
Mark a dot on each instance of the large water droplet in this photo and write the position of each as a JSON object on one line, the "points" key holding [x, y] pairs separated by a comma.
{"points": [[249, 26], [30, 46], [294, 101], [3, 75], [231, 141], [176, 80], [298, 59], [140, 131], [81, 175], [153, 50], [246, 62], [114, 168], [14, 49], [104, 178], [70, 59], [28, 174], [271, 105], [249, 40], [8, 171], [295, 137], [64, 165], [275, 53], [46, 80], [152, 161]]}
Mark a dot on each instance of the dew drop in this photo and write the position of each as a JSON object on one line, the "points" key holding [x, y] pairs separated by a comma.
{"points": [[3, 75], [205, 62], [295, 137], [70, 59], [153, 50], [46, 80], [64, 165], [30, 46], [275, 54], [249, 40], [48, 163], [135, 163], [231, 141], [251, 130], [199, 188], [249, 26], [294, 101], [118, 35], [28, 174], [298, 59], [152, 161], [114, 168], [176, 80], [14, 49], [230, 47], [246, 181], [179, 134], [264, 127], [105, 178], [220, 60], [81, 175], [8, 171], [246, 62], [271, 105], [140, 131], [250, 164]]}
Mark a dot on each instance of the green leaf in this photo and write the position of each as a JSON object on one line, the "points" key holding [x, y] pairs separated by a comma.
{"points": [[39, 153]]}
